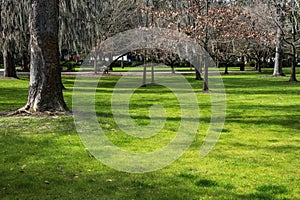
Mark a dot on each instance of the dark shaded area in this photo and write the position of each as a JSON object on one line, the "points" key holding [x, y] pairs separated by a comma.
{"points": [[206, 183]]}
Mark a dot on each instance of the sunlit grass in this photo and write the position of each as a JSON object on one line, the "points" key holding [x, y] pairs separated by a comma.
{"points": [[256, 157]]}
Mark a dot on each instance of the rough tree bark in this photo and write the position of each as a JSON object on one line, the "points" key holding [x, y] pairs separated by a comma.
{"points": [[45, 92]]}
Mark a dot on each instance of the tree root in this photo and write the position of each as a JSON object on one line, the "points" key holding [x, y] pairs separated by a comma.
{"points": [[25, 113]]}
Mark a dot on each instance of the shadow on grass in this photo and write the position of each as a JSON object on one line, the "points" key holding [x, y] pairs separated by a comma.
{"points": [[47, 161], [260, 86], [267, 192], [44, 159], [285, 121]]}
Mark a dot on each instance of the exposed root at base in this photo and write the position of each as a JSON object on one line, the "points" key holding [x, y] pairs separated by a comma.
{"points": [[25, 113]]}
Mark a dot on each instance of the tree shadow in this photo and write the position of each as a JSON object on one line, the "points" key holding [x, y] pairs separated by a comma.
{"points": [[51, 163], [267, 192]]}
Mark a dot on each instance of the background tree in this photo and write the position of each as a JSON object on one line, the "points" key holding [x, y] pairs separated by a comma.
{"points": [[85, 23], [280, 21], [14, 33], [292, 35], [286, 17]]}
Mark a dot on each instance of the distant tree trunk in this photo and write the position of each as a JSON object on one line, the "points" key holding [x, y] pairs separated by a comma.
{"points": [[198, 75], [258, 65], [199, 70], [9, 64], [293, 43], [25, 61], [293, 72], [226, 68], [242, 67], [294, 64], [45, 92], [205, 87], [144, 84], [279, 41], [172, 67], [96, 68], [205, 82], [122, 62], [152, 74], [278, 59]]}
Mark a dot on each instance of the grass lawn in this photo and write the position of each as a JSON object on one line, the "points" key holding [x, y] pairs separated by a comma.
{"points": [[157, 68], [256, 157]]}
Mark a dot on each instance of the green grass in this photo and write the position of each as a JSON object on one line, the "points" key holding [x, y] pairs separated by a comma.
{"points": [[138, 68], [164, 68], [256, 157], [157, 68]]}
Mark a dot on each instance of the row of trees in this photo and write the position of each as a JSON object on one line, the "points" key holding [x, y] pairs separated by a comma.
{"points": [[230, 30], [227, 29]]}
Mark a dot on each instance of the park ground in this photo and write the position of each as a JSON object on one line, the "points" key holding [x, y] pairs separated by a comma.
{"points": [[256, 157]]}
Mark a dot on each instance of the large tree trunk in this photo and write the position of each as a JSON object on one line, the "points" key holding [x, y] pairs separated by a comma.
{"points": [[45, 92], [9, 64]]}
